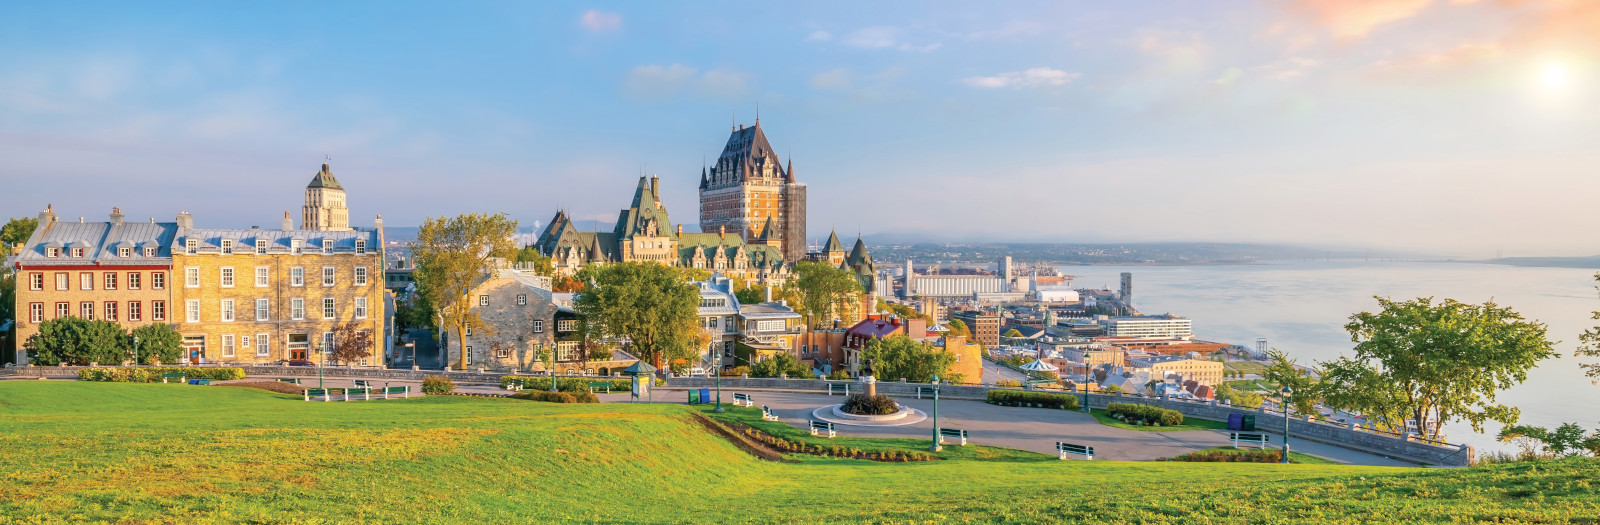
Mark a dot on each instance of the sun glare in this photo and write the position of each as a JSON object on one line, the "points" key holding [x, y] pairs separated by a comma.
{"points": [[1554, 76]]}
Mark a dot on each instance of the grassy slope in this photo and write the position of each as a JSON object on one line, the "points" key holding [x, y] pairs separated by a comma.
{"points": [[195, 454]]}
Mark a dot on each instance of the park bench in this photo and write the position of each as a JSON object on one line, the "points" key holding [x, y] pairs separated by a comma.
{"points": [[743, 400], [317, 392], [952, 433], [291, 380], [173, 375], [818, 427], [1062, 449], [201, 382], [924, 390], [362, 383], [404, 391], [766, 413], [839, 386], [366, 393], [601, 384], [1259, 439], [515, 385]]}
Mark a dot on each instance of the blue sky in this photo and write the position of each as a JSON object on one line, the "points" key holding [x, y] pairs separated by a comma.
{"points": [[1443, 125]]}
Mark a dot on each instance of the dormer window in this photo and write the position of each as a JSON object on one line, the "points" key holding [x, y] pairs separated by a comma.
{"points": [[227, 246], [261, 246], [327, 246], [294, 246], [149, 251], [124, 252], [190, 245], [77, 253], [52, 252], [361, 247]]}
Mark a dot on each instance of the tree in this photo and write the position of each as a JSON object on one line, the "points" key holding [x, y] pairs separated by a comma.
{"points": [[1238, 398], [452, 256], [958, 328], [780, 364], [647, 303], [352, 342], [8, 295], [1590, 346], [1012, 333], [897, 357], [541, 264], [78, 341], [159, 343], [1433, 364], [1566, 440], [548, 357], [822, 289], [750, 296], [17, 231], [1286, 372]]}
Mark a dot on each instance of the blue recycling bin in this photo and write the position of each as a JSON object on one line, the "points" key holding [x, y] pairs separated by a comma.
{"points": [[1235, 422], [705, 395]]}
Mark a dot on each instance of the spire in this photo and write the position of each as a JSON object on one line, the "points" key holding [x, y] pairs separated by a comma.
{"points": [[789, 171], [833, 245], [705, 180], [858, 253]]}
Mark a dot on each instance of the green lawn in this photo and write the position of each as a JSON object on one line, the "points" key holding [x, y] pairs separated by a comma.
{"points": [[1189, 423], [1294, 457], [1254, 385], [184, 454], [1246, 367]]}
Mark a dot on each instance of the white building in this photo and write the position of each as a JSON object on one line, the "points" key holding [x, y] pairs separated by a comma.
{"points": [[1149, 326]]}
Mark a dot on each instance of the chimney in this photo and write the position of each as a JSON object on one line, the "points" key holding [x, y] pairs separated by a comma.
{"points": [[185, 220], [378, 223], [722, 231], [47, 216], [769, 293], [116, 216], [655, 187], [288, 224], [680, 229], [836, 323]]}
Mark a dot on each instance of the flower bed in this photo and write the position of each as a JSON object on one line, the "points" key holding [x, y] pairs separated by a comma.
{"points": [[1015, 398], [1137, 414]]}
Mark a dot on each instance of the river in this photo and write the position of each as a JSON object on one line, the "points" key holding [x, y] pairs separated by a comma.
{"points": [[1301, 308]]}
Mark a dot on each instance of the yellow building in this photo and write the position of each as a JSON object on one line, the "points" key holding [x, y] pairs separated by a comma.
{"points": [[1161, 367]]}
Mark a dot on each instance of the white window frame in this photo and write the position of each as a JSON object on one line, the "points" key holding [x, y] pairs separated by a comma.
{"points": [[85, 280], [77, 253], [135, 311], [227, 246], [330, 308], [225, 276], [469, 355], [158, 280], [538, 326], [263, 345], [36, 281], [35, 313], [109, 311], [263, 276], [190, 245], [361, 308], [327, 246], [361, 276], [124, 252], [227, 345], [261, 246], [191, 277], [361, 247], [158, 310], [63, 281], [134, 279], [330, 275], [263, 309], [191, 311], [297, 309], [483, 300], [567, 325], [52, 252], [110, 281], [522, 299], [297, 276]]}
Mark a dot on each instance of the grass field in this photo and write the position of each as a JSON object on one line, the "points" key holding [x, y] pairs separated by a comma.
{"points": [[183, 454]]}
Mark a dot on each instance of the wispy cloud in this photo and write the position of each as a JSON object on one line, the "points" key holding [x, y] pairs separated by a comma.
{"points": [[819, 36], [1032, 77], [600, 21], [884, 37], [835, 80], [1354, 19], [660, 82]]}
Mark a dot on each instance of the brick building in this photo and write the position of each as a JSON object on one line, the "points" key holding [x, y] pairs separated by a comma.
{"points": [[749, 193], [983, 324]]}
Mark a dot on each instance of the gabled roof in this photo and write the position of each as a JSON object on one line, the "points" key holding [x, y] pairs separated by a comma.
{"points": [[642, 211], [766, 231], [746, 149], [324, 179]]}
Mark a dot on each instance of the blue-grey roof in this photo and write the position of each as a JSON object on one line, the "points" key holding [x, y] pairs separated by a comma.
{"points": [[772, 310], [210, 240], [100, 241]]}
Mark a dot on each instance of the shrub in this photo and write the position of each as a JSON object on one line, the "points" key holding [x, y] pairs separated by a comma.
{"points": [[863, 404], [435, 385], [839, 375], [1234, 456], [153, 374], [556, 397], [572, 384], [736, 371], [1144, 414], [1023, 398]]}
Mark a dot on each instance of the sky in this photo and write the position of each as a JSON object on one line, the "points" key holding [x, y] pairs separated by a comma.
{"points": [[1449, 126]]}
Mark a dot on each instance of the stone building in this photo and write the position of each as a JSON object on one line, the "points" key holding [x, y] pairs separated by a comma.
{"points": [[518, 307], [968, 359], [748, 193], [325, 207], [1179, 368], [115, 270]]}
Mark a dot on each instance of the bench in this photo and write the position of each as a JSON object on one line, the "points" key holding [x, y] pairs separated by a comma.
{"points": [[743, 400], [818, 427], [766, 413], [202, 382], [839, 386], [603, 384], [1259, 439], [924, 389], [292, 381], [317, 392], [1062, 449], [404, 391], [366, 393], [362, 383], [173, 375], [515, 385], [952, 433]]}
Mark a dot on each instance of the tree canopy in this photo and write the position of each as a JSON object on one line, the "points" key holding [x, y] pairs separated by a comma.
{"points": [[1286, 372], [1012, 333], [822, 290], [958, 328], [17, 231], [1590, 345], [1434, 363], [649, 304], [897, 357], [352, 342], [159, 343], [453, 255], [780, 364], [541, 264], [79, 341]]}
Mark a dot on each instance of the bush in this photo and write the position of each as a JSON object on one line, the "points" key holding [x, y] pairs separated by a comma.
{"points": [[1234, 456], [878, 405], [736, 371], [435, 385], [153, 374], [572, 384], [1017, 398], [556, 397], [839, 375], [1144, 414]]}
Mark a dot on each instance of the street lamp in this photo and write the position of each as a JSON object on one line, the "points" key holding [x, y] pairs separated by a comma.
{"points": [[935, 446], [1086, 381], [552, 369], [716, 368], [1286, 392], [320, 364], [136, 351]]}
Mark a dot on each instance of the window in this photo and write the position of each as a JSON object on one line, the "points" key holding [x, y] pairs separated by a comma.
{"points": [[36, 281], [502, 352], [297, 309], [52, 252], [566, 325], [713, 322], [483, 300], [468, 332], [263, 276], [227, 310], [361, 247], [63, 310], [327, 308], [538, 326], [263, 310], [261, 345], [361, 308], [111, 310], [61, 281], [327, 275], [111, 280], [149, 251], [77, 253], [158, 280], [361, 276], [244, 342], [261, 246], [85, 281], [297, 276], [567, 351], [728, 326], [227, 345], [135, 312], [192, 310], [133, 280], [36, 313], [124, 252], [327, 342], [227, 277], [522, 299], [227, 246], [86, 310], [189, 245], [327, 246], [191, 277], [294, 246], [158, 310], [469, 355]]}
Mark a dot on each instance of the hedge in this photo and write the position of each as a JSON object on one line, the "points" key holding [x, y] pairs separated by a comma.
{"points": [[556, 397], [572, 384], [1144, 414], [1019, 398], [153, 374]]}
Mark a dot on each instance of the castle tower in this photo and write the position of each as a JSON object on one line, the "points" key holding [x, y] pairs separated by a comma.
{"points": [[748, 188], [325, 207]]}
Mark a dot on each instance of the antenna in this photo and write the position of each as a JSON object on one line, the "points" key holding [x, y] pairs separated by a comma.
{"points": [[327, 158]]}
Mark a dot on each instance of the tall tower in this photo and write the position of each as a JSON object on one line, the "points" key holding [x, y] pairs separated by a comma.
{"points": [[1126, 293], [749, 192], [325, 209]]}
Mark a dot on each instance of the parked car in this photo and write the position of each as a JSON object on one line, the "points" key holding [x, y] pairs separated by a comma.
{"points": [[300, 362]]}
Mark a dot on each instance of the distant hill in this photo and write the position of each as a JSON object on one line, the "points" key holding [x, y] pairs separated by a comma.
{"points": [[1592, 261]]}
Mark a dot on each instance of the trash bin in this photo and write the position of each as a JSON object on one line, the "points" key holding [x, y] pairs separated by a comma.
{"points": [[705, 395], [1236, 422], [694, 396], [1249, 423]]}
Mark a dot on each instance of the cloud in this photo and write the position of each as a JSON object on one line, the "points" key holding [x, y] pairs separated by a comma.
{"points": [[835, 80], [819, 36], [723, 82], [659, 82], [600, 21], [1289, 68], [1032, 77], [1354, 19], [883, 37]]}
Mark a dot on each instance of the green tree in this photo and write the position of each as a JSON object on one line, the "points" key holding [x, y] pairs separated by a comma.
{"points": [[1434, 364], [647, 303], [78, 341], [1238, 398], [8, 295], [548, 357], [750, 295], [780, 364], [541, 264], [159, 343], [453, 255], [1590, 346], [1566, 440], [1012, 333], [897, 357], [822, 289], [1286, 372], [958, 328], [17, 231]]}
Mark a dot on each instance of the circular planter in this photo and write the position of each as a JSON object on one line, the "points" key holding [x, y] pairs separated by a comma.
{"points": [[901, 414]]}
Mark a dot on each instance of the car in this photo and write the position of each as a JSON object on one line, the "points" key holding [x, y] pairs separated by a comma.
{"points": [[300, 362]]}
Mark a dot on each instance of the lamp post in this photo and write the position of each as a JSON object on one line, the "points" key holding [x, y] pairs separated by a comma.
{"points": [[552, 369], [935, 446], [1086, 381], [321, 363], [716, 368], [136, 351], [1286, 392]]}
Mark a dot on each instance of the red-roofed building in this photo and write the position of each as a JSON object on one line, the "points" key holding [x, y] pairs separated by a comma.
{"points": [[879, 326]]}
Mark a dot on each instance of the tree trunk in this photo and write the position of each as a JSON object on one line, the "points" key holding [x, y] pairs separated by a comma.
{"points": [[461, 342]]}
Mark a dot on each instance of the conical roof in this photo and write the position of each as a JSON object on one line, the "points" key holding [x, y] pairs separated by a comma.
{"points": [[1039, 366], [766, 231], [858, 253], [324, 179], [833, 243]]}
